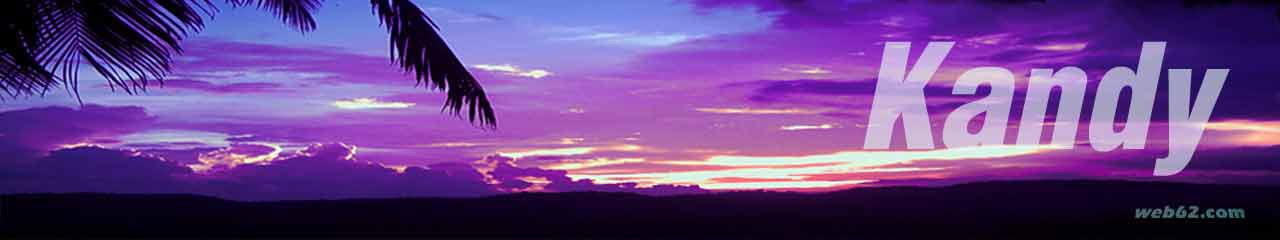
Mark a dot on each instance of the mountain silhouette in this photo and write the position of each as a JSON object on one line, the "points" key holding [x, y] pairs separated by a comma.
{"points": [[1017, 209]]}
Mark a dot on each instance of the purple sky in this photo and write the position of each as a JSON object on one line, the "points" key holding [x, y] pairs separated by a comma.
{"points": [[643, 96]]}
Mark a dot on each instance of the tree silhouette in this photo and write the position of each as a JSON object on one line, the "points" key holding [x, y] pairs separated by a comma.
{"points": [[131, 42]]}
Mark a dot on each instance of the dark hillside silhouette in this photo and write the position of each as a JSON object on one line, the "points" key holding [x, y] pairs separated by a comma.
{"points": [[1029, 209]]}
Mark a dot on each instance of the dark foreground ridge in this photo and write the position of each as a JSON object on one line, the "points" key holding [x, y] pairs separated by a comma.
{"points": [[1027, 209]]}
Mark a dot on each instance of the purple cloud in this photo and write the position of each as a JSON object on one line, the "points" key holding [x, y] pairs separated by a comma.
{"points": [[320, 171], [205, 86], [1018, 35], [514, 178], [681, 103], [270, 66], [95, 169], [327, 171], [30, 132]]}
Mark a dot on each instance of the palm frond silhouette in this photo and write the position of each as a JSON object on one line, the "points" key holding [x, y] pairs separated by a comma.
{"points": [[131, 43]]}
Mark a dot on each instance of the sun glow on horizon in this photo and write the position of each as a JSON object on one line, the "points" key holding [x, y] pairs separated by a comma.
{"points": [[790, 172], [873, 158], [1245, 125], [590, 163], [1255, 133], [788, 184]]}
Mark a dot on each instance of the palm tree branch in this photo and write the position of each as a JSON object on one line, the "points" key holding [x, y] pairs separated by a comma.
{"points": [[19, 35], [296, 13], [131, 42], [417, 47], [128, 42]]}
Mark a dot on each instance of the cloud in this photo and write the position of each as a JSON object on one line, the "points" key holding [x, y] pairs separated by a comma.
{"points": [[756, 111], [839, 98], [457, 144], [313, 70], [876, 158], [548, 152], [783, 184], [456, 16], [1245, 125], [260, 172], [319, 171], [234, 155], [808, 70], [847, 50], [505, 174], [806, 127], [633, 39], [566, 151], [370, 103], [219, 61], [513, 70], [793, 172], [1062, 47], [328, 171], [204, 86], [1019, 35], [28, 132], [1251, 133], [590, 163], [94, 169]]}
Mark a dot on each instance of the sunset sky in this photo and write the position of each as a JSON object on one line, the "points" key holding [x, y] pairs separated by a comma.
{"points": [[643, 96]]}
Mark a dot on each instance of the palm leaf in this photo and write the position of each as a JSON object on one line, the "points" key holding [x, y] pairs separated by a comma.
{"points": [[417, 47], [296, 13], [19, 38], [127, 42], [131, 42]]}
